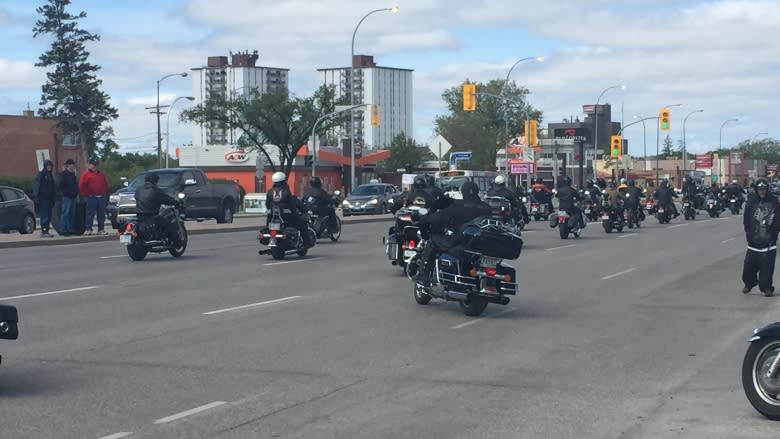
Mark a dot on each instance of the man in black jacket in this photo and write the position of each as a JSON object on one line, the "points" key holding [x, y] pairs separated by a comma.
{"points": [[762, 224], [280, 196], [421, 195], [452, 217], [665, 196], [69, 189], [567, 198], [45, 193], [321, 202], [499, 189], [148, 199]]}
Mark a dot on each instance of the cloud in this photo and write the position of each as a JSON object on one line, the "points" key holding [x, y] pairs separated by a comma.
{"points": [[20, 74]]}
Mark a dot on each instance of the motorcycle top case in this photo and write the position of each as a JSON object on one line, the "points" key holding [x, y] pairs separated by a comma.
{"points": [[10, 317], [493, 241]]}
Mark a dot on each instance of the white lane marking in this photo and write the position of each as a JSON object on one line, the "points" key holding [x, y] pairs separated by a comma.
{"points": [[678, 225], [190, 412], [49, 293], [627, 235], [730, 239], [471, 322], [112, 257], [291, 262], [563, 246], [252, 305], [619, 273], [119, 435]]}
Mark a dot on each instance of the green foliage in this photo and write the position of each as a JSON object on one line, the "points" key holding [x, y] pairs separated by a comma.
{"points": [[23, 183], [763, 149], [128, 165], [406, 153], [71, 92], [482, 131], [668, 150], [273, 118]]}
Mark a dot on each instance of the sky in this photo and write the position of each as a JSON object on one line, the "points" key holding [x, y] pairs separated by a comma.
{"points": [[720, 56]]}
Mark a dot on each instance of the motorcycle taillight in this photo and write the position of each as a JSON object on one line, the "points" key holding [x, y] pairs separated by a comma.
{"points": [[129, 227], [490, 271], [410, 245], [505, 213], [273, 233]]}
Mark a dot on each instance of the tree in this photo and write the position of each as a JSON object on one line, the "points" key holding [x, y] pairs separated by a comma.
{"points": [[764, 149], [273, 118], [668, 149], [72, 90], [482, 131], [407, 154]]}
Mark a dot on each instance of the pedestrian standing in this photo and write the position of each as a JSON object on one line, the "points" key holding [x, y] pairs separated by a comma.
{"points": [[762, 224], [94, 186], [69, 191], [45, 193]]}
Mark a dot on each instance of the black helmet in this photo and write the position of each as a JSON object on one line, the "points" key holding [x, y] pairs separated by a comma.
{"points": [[429, 180], [419, 182], [566, 180], [631, 183], [469, 190], [315, 182], [152, 178], [539, 180]]}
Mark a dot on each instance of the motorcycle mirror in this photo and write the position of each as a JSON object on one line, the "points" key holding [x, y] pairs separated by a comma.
{"points": [[337, 193], [126, 183]]}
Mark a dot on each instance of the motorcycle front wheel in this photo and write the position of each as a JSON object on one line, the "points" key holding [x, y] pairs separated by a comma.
{"points": [[763, 392], [178, 251], [334, 236]]}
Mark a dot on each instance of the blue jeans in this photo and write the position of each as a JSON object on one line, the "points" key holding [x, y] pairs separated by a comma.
{"points": [[95, 203], [45, 213], [67, 206]]}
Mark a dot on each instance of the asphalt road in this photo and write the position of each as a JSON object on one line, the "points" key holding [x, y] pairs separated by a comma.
{"points": [[633, 335]]}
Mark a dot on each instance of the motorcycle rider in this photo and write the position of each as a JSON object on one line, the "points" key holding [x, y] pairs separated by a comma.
{"points": [[664, 194], [420, 195], [633, 194], [148, 199], [567, 198], [499, 189], [452, 217], [542, 193], [280, 196], [623, 185], [689, 191], [761, 221], [440, 199], [614, 195], [734, 190], [322, 202]]}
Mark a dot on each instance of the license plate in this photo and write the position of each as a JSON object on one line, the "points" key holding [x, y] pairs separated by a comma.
{"points": [[487, 261], [409, 253], [686, 205], [272, 242], [275, 226], [660, 211], [605, 217], [562, 213], [587, 210], [733, 201], [125, 239], [535, 209]]}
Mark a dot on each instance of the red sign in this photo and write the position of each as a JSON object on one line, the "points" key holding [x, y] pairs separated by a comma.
{"points": [[703, 161], [520, 168], [771, 167]]}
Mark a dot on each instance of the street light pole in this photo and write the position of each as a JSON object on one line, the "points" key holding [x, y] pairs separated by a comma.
{"points": [[759, 134], [168, 127], [684, 144], [596, 122], [314, 139], [720, 141], [644, 136], [394, 9], [159, 135]]}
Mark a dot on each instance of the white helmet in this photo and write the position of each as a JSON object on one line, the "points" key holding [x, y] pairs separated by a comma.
{"points": [[500, 179], [278, 177], [733, 181]]}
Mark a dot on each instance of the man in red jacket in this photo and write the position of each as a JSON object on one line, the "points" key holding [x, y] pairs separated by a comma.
{"points": [[93, 185]]}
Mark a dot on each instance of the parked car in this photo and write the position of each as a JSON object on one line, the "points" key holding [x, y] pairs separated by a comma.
{"points": [[369, 198], [17, 211], [203, 199]]}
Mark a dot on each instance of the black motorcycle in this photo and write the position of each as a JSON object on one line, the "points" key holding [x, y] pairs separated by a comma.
{"points": [[712, 206], [401, 240], [319, 223], [9, 324], [761, 371], [688, 210], [503, 215], [283, 240], [612, 217], [734, 205], [144, 237], [473, 273], [664, 214]]}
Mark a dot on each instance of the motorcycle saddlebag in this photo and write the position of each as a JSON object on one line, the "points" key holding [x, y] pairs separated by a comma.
{"points": [[9, 320], [492, 241]]}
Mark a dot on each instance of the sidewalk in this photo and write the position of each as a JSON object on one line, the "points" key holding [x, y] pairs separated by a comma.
{"points": [[241, 223]]}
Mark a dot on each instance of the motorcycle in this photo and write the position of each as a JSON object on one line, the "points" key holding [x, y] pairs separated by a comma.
{"points": [[610, 219], [283, 240], [566, 224], [475, 276], [9, 324], [688, 211], [634, 216], [650, 206], [144, 237], [589, 208], [539, 209], [320, 224], [402, 240], [761, 371], [734, 205], [664, 214], [711, 204], [503, 215]]}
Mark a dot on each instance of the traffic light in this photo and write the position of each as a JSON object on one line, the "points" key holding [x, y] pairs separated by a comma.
{"points": [[616, 146], [375, 115], [469, 97], [664, 119], [533, 131]]}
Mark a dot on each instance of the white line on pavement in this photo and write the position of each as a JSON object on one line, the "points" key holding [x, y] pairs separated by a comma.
{"points": [[112, 257], [119, 435], [471, 322], [563, 246], [190, 412], [619, 273], [49, 293], [291, 262], [252, 305], [627, 235], [730, 239], [678, 225]]}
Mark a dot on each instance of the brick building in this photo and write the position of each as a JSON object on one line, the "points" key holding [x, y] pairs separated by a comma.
{"points": [[26, 141]]}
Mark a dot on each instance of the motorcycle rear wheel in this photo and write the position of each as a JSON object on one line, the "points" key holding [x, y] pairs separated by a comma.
{"points": [[137, 252], [277, 253], [473, 306], [563, 228], [762, 392]]}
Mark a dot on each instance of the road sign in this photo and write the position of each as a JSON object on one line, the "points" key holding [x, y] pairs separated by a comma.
{"points": [[517, 167], [703, 161], [459, 156], [527, 154]]}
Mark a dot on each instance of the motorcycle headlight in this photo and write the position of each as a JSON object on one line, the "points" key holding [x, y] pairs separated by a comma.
{"points": [[587, 192], [113, 199], [374, 201], [390, 201], [525, 200], [346, 203]]}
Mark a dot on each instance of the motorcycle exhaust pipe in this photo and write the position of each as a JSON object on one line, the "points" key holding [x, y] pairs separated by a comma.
{"points": [[501, 300], [457, 295]]}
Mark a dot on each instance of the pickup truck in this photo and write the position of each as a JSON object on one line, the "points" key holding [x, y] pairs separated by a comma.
{"points": [[202, 199]]}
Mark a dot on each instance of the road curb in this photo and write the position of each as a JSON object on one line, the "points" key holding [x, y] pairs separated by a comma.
{"points": [[111, 237]]}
